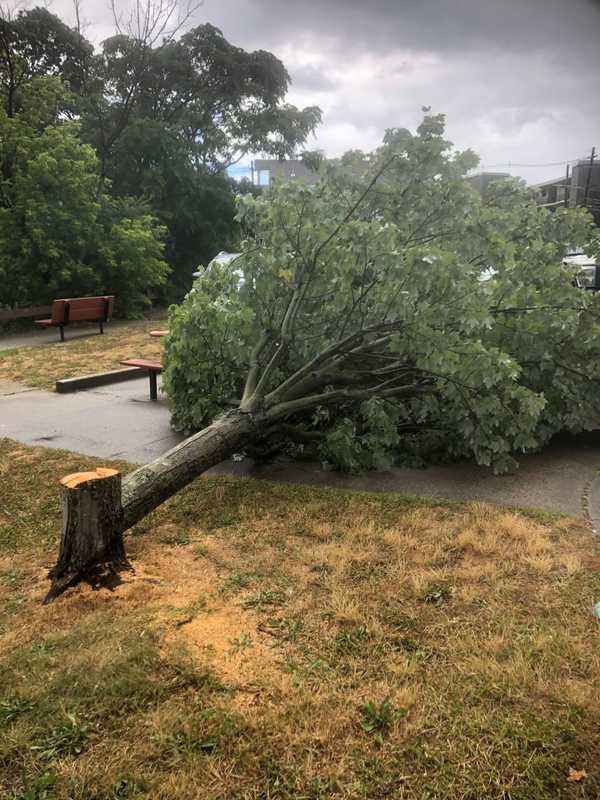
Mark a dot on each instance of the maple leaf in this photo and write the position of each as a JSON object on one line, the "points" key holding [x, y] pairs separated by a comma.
{"points": [[576, 775]]}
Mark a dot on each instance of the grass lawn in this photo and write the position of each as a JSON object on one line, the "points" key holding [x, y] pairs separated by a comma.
{"points": [[42, 366], [284, 642]]}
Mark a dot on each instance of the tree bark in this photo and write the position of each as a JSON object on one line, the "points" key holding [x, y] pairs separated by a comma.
{"points": [[152, 484], [92, 536]]}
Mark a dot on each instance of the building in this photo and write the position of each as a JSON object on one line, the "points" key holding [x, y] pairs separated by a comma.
{"points": [[482, 180], [579, 187], [553, 193], [265, 170], [584, 189]]}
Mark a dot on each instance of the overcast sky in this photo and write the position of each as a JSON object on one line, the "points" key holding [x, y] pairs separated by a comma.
{"points": [[517, 79]]}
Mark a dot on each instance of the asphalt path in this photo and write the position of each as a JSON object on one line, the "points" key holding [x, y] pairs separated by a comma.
{"points": [[120, 422]]}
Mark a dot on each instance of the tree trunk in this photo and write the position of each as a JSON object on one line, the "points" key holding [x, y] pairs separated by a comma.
{"points": [[152, 484], [97, 509], [92, 536]]}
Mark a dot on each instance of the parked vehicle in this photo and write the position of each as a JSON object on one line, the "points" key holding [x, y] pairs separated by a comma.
{"points": [[221, 258], [586, 269]]}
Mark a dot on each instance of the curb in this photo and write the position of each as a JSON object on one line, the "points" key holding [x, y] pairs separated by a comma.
{"points": [[99, 379], [591, 502]]}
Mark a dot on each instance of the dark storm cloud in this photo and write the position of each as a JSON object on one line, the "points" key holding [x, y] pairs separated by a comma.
{"points": [[438, 25], [517, 79], [311, 79]]}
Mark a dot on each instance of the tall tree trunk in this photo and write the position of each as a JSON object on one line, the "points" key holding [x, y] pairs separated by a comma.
{"points": [[97, 508]]}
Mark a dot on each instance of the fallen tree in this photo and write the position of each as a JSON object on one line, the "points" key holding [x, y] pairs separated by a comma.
{"points": [[385, 300]]}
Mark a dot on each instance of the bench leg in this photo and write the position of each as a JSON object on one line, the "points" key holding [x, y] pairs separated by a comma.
{"points": [[62, 333], [153, 388], [101, 327]]}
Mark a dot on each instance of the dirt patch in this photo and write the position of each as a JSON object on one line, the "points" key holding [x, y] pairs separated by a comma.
{"points": [[591, 561], [215, 629], [182, 591], [226, 637]]}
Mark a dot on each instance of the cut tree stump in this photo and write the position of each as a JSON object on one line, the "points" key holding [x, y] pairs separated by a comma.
{"points": [[92, 537]]}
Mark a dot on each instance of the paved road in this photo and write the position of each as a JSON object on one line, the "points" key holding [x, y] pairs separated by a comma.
{"points": [[119, 421], [556, 480], [116, 421]]}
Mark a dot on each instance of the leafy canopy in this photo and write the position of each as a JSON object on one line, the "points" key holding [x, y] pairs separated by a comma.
{"points": [[61, 233], [390, 299]]}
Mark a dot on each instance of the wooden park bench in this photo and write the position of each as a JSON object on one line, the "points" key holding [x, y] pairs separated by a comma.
{"points": [[79, 309], [153, 369]]}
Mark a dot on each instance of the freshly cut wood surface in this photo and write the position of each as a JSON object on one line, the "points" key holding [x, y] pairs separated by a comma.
{"points": [[76, 478]]}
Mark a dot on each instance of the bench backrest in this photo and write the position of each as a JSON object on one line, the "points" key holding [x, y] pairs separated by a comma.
{"points": [[58, 311], [74, 309]]}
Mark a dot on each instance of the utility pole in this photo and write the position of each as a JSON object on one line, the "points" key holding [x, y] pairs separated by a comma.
{"points": [[567, 186], [589, 177]]}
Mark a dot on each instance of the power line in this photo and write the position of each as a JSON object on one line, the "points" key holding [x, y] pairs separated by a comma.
{"points": [[547, 164]]}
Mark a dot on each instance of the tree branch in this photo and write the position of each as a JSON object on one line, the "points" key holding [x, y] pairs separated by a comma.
{"points": [[283, 343], [353, 208], [325, 356], [339, 395], [496, 310], [295, 433], [254, 371]]}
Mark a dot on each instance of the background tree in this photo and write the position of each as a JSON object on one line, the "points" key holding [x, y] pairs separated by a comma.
{"points": [[196, 206], [172, 119], [34, 44], [166, 112], [60, 234], [384, 300]]}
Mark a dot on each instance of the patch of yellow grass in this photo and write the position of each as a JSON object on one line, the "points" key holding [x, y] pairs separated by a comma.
{"points": [[42, 366]]}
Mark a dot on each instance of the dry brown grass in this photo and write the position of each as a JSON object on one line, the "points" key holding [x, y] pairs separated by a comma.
{"points": [[288, 642], [42, 366]]}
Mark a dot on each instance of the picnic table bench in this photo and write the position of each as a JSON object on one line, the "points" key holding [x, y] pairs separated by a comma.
{"points": [[153, 368], [79, 309]]}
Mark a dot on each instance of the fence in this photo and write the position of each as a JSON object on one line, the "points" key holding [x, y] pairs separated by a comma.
{"points": [[7, 314]]}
